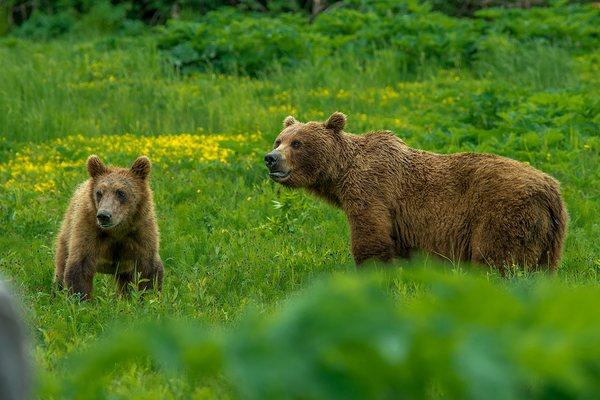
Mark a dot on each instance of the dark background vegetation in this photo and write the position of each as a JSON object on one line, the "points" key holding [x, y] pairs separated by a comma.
{"points": [[62, 14], [158, 11]]}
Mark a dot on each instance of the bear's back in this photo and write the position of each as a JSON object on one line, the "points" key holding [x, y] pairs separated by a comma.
{"points": [[492, 174]]}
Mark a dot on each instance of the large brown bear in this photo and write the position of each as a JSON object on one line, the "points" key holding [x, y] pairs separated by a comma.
{"points": [[110, 227], [463, 207]]}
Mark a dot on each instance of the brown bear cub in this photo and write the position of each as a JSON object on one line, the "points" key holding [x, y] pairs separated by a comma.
{"points": [[473, 207], [110, 227]]}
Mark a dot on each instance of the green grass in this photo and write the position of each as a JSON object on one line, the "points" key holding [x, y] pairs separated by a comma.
{"points": [[231, 239]]}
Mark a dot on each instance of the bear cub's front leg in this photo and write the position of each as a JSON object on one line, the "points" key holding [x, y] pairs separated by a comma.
{"points": [[79, 278]]}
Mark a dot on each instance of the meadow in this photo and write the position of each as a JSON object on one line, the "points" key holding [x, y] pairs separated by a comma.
{"points": [[258, 276]]}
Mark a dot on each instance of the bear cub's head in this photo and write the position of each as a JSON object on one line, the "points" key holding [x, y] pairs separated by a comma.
{"points": [[118, 193], [304, 152]]}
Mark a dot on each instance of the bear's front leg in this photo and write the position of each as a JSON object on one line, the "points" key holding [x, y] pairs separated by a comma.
{"points": [[152, 274], [124, 280], [371, 237], [79, 277]]}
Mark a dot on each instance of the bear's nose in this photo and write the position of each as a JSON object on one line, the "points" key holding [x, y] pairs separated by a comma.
{"points": [[271, 159], [103, 216]]}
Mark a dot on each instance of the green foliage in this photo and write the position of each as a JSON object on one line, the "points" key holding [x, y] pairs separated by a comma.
{"points": [[346, 338], [101, 17], [216, 42], [417, 36], [574, 26], [14, 13], [46, 26], [213, 45], [470, 7]]}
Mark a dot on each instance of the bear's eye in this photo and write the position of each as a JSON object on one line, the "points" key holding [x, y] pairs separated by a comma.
{"points": [[277, 143], [121, 195], [98, 194], [296, 144]]}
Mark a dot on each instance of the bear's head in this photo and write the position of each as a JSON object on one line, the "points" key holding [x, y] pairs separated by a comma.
{"points": [[306, 153], [118, 194]]}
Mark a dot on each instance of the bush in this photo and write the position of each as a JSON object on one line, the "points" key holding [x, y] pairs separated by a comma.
{"points": [[230, 41], [46, 26], [346, 338], [103, 17], [227, 43], [99, 18]]}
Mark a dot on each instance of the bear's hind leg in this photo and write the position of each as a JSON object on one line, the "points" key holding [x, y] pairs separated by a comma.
{"points": [[506, 246]]}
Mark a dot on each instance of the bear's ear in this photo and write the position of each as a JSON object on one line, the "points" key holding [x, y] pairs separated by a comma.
{"points": [[289, 120], [95, 166], [141, 167], [336, 122]]}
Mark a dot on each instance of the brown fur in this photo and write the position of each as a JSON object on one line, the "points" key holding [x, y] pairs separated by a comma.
{"points": [[463, 207], [130, 247]]}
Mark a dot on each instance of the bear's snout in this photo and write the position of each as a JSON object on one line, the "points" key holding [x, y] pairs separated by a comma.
{"points": [[278, 169], [271, 159], [103, 217]]}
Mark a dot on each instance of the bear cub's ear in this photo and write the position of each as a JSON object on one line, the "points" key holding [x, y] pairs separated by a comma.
{"points": [[141, 167], [289, 120], [95, 166], [336, 121]]}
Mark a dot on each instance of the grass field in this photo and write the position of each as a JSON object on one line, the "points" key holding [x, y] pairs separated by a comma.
{"points": [[230, 238]]}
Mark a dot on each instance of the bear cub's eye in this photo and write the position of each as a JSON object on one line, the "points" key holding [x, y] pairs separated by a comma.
{"points": [[121, 195], [98, 195], [277, 143], [296, 144]]}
